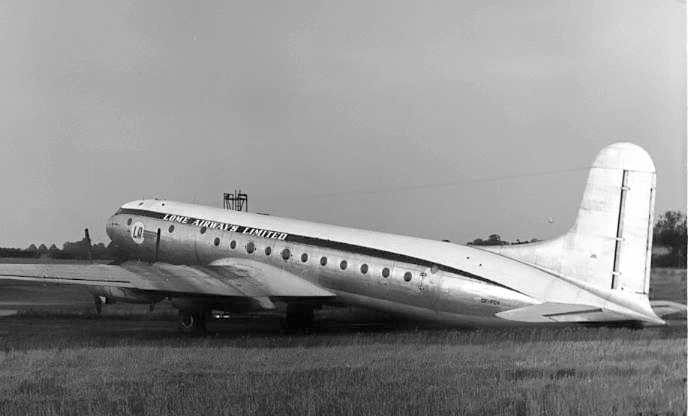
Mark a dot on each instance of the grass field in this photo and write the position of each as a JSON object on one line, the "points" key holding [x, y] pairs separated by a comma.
{"points": [[74, 363]]}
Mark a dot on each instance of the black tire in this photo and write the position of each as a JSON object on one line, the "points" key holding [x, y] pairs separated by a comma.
{"points": [[191, 322]]}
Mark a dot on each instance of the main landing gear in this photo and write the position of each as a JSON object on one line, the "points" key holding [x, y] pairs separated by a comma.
{"points": [[299, 318], [192, 322]]}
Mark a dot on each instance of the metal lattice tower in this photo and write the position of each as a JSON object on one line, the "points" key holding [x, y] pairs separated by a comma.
{"points": [[238, 201]]}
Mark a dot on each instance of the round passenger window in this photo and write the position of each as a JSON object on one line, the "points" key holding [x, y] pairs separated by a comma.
{"points": [[250, 247], [385, 272], [232, 245], [171, 229], [304, 257], [407, 276], [268, 250], [286, 254], [217, 241], [343, 264], [323, 260], [129, 221], [364, 268], [203, 230]]}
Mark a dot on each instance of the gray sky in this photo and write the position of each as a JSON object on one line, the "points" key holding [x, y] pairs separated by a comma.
{"points": [[106, 102]]}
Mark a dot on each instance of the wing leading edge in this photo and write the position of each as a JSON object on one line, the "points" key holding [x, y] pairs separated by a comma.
{"points": [[231, 279]]}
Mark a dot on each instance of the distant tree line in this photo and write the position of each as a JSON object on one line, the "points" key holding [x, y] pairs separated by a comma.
{"points": [[496, 240], [70, 250], [670, 232]]}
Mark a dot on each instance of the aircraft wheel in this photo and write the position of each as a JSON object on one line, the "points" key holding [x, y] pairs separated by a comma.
{"points": [[191, 322]]}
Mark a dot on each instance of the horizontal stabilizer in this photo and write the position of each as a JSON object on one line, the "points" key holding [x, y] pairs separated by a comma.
{"points": [[561, 312], [665, 307]]}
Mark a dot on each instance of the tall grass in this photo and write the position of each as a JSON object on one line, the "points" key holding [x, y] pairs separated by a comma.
{"points": [[519, 371]]}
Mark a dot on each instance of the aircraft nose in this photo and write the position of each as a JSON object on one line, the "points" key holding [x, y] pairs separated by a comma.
{"points": [[111, 226]]}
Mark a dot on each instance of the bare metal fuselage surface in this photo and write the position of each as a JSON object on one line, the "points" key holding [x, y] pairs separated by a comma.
{"points": [[420, 278], [367, 275]]}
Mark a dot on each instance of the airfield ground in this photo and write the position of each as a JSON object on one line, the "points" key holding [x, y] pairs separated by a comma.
{"points": [[59, 358]]}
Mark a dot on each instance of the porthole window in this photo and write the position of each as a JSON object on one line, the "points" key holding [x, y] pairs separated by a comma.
{"points": [[250, 247], [385, 272], [304, 257], [171, 229], [323, 261], [407, 276], [364, 268], [129, 221], [232, 245], [343, 264], [203, 230], [286, 254], [217, 241], [268, 250]]}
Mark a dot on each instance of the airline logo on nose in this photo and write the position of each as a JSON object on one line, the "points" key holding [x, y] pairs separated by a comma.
{"points": [[137, 232]]}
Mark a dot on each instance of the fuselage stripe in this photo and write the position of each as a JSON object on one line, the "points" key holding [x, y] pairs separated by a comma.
{"points": [[319, 242]]}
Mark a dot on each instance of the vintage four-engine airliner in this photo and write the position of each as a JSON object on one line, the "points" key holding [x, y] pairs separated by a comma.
{"points": [[205, 258]]}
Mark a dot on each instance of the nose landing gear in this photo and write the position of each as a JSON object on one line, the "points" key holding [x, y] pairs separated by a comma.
{"points": [[99, 300]]}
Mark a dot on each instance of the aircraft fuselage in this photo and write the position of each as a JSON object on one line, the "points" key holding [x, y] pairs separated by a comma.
{"points": [[419, 278]]}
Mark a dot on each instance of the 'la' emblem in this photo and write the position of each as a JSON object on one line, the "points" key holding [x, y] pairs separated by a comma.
{"points": [[137, 232]]}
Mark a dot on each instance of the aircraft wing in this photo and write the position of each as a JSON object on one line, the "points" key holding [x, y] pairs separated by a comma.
{"points": [[233, 279]]}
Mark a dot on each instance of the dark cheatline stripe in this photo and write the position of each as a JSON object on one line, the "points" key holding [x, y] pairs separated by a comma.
{"points": [[338, 245], [387, 255], [141, 212]]}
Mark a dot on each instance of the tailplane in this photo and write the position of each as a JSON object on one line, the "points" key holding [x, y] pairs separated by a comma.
{"points": [[609, 245]]}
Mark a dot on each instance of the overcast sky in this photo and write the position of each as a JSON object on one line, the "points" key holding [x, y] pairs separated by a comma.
{"points": [[106, 102]]}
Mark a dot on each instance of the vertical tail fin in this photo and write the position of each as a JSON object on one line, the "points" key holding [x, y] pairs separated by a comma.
{"points": [[611, 241]]}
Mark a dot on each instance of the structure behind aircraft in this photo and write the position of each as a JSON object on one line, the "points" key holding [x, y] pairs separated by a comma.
{"points": [[205, 258]]}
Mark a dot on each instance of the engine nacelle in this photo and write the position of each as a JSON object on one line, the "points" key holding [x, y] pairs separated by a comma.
{"points": [[126, 295]]}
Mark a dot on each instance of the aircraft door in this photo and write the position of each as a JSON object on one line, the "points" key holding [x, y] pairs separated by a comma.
{"points": [[430, 281], [176, 243]]}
